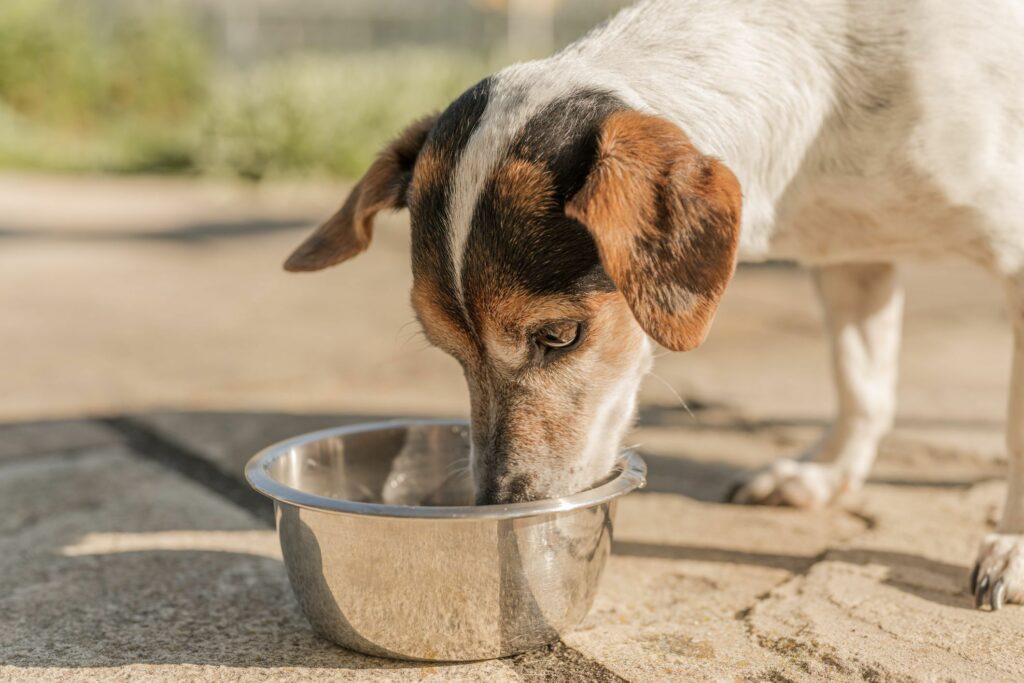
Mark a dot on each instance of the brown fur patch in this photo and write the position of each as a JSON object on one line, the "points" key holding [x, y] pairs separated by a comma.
{"points": [[524, 188], [519, 310], [348, 232], [666, 221], [442, 329], [430, 171], [506, 320], [610, 332], [613, 319]]}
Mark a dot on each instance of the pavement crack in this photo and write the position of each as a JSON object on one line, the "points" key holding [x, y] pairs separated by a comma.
{"points": [[870, 522], [148, 443], [800, 648], [746, 615]]}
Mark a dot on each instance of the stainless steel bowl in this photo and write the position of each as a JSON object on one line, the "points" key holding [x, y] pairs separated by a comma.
{"points": [[386, 557]]}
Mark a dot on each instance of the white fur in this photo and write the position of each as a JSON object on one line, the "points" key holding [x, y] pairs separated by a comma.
{"points": [[864, 307], [613, 417], [1001, 558], [1001, 555], [860, 132]]}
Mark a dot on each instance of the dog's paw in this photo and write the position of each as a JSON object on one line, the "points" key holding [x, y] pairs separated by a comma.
{"points": [[792, 483], [998, 575]]}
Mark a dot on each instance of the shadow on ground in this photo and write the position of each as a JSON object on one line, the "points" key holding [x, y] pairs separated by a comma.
{"points": [[899, 566]]}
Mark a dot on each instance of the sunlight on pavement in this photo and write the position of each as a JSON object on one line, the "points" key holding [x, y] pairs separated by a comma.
{"points": [[259, 543]]}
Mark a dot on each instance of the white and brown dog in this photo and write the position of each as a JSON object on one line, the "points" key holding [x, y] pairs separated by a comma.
{"points": [[566, 210]]}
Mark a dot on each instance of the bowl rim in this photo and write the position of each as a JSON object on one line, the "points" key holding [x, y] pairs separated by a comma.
{"points": [[632, 475]]}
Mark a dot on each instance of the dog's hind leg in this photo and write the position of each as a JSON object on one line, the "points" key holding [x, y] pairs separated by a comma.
{"points": [[863, 315], [998, 575]]}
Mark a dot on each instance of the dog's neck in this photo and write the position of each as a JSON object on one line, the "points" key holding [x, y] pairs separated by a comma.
{"points": [[752, 92]]}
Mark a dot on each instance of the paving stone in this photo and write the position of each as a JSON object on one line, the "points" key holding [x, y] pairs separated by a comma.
{"points": [[892, 603], [112, 567], [681, 573]]}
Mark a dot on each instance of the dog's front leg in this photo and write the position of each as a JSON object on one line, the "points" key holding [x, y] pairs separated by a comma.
{"points": [[998, 574], [863, 314]]}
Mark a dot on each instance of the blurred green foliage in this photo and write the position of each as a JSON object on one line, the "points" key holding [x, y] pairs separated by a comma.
{"points": [[78, 93], [327, 115], [139, 92]]}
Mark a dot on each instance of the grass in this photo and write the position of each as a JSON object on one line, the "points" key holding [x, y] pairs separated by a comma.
{"points": [[140, 92], [325, 115]]}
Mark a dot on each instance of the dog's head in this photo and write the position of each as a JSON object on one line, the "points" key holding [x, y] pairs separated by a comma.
{"points": [[549, 241]]}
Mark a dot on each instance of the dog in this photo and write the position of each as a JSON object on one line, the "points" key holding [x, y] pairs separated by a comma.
{"points": [[568, 211]]}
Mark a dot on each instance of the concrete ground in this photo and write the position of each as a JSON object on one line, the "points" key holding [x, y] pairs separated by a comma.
{"points": [[151, 344]]}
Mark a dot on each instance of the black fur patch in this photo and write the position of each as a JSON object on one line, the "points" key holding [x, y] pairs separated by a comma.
{"points": [[541, 251], [431, 258]]}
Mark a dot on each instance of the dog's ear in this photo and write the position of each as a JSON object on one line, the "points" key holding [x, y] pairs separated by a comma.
{"points": [[666, 220], [384, 186]]}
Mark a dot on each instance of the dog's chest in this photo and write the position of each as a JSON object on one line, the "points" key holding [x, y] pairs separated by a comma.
{"points": [[868, 219], [871, 207]]}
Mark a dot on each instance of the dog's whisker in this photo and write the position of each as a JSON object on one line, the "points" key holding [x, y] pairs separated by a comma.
{"points": [[460, 474], [415, 334], [458, 466], [423, 346], [404, 326], [675, 393]]}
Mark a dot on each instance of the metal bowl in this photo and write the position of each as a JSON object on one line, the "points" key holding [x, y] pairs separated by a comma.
{"points": [[387, 555]]}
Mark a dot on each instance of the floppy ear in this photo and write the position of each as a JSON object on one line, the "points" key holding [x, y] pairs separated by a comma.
{"points": [[666, 220], [348, 232]]}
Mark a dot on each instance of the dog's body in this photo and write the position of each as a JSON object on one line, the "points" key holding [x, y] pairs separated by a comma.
{"points": [[563, 208]]}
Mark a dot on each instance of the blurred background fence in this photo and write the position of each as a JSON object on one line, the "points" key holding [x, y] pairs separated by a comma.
{"points": [[249, 88]]}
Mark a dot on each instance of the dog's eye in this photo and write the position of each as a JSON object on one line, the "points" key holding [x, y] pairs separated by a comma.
{"points": [[562, 335]]}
